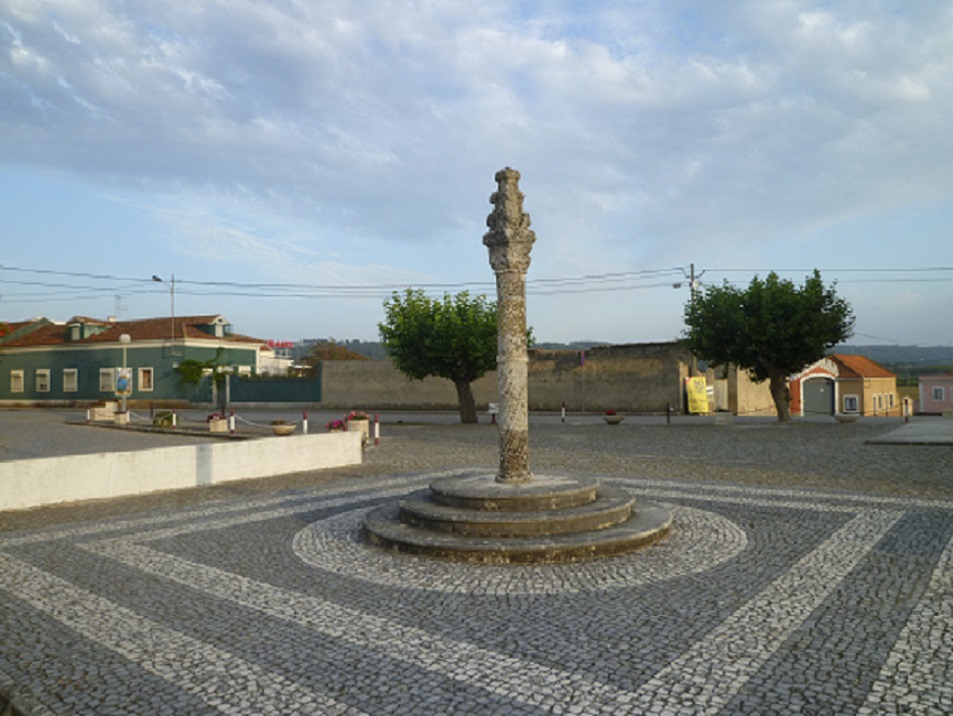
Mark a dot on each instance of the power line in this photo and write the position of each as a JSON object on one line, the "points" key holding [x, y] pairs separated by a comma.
{"points": [[546, 286]]}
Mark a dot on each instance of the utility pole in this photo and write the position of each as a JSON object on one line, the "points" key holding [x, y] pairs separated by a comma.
{"points": [[157, 279], [691, 286]]}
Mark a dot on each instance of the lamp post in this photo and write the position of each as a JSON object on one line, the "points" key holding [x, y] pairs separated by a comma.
{"points": [[172, 312], [124, 384]]}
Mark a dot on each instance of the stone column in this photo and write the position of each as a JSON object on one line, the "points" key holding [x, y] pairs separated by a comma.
{"points": [[509, 241]]}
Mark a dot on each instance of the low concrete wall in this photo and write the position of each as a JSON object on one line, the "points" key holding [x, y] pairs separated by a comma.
{"points": [[45, 481]]}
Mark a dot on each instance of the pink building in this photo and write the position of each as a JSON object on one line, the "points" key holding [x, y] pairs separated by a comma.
{"points": [[936, 393]]}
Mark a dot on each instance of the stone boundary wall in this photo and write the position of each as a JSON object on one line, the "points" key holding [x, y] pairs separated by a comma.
{"points": [[45, 481], [378, 385], [643, 377]]}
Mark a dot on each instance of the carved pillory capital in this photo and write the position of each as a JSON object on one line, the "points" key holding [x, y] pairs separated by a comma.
{"points": [[509, 238]]}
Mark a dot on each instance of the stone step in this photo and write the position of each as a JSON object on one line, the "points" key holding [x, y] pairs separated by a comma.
{"points": [[610, 507], [545, 492], [647, 523]]}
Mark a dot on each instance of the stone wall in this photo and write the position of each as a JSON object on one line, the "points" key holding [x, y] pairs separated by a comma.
{"points": [[633, 378], [378, 385], [642, 377]]}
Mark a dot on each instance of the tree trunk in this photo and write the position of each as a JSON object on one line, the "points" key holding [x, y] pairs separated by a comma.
{"points": [[465, 400], [781, 396]]}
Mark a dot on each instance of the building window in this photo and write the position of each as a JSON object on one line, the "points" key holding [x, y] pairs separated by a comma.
{"points": [[850, 403], [145, 379], [891, 400], [42, 380], [70, 380], [938, 393], [107, 380], [16, 381]]}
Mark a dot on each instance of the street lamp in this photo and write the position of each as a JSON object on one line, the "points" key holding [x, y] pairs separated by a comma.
{"points": [[172, 292], [124, 384]]}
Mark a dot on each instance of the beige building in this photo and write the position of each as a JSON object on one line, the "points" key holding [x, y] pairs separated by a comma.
{"points": [[847, 384]]}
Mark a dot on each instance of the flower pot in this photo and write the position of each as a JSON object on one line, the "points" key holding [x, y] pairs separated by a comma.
{"points": [[361, 426], [613, 419], [286, 429], [105, 412], [219, 425]]}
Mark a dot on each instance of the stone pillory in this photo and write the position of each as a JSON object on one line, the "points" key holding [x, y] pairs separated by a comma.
{"points": [[509, 241], [514, 516]]}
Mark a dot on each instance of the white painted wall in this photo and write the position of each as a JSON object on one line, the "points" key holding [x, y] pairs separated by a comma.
{"points": [[45, 481]]}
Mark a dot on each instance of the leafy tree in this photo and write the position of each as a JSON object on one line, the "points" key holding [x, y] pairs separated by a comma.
{"points": [[191, 371], [453, 338], [772, 329], [327, 351]]}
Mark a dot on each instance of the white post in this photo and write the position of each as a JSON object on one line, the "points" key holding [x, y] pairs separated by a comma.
{"points": [[124, 339]]}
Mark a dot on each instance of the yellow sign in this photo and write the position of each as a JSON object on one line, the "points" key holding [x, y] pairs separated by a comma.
{"points": [[697, 392]]}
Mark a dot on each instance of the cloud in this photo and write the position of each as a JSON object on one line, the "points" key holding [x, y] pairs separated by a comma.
{"points": [[642, 130]]}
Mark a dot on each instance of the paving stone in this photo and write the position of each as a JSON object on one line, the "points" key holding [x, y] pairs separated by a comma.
{"points": [[790, 583]]}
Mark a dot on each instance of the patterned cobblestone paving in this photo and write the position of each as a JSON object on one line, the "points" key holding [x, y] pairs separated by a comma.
{"points": [[762, 600]]}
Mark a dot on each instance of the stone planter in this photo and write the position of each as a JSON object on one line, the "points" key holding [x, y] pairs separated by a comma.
{"points": [[121, 418], [613, 419], [219, 425], [105, 413], [360, 426], [846, 417], [285, 429]]}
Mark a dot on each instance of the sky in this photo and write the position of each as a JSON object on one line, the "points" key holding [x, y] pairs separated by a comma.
{"points": [[293, 163]]}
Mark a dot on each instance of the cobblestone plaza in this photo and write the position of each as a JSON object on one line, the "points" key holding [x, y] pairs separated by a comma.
{"points": [[808, 572]]}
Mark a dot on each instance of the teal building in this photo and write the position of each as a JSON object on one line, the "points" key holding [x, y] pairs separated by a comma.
{"points": [[86, 360]]}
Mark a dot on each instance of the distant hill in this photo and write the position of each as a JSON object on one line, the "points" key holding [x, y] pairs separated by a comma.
{"points": [[908, 362], [574, 346], [906, 355]]}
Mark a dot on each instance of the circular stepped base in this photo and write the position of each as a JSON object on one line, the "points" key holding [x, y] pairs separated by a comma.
{"points": [[545, 492], [552, 519], [609, 507]]}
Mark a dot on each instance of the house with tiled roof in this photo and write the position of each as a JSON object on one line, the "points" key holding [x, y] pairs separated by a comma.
{"points": [[84, 359], [844, 384]]}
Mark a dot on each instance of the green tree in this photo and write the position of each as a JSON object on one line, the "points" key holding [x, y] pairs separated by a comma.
{"points": [[772, 329], [453, 338]]}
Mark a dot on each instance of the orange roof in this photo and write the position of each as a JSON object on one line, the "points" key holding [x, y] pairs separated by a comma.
{"points": [[138, 330], [859, 367]]}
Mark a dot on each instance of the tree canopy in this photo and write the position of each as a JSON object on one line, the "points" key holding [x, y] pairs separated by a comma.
{"points": [[453, 338], [772, 329]]}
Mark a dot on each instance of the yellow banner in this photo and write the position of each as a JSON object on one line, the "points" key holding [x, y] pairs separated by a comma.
{"points": [[697, 392]]}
